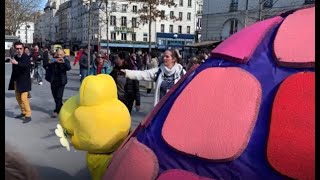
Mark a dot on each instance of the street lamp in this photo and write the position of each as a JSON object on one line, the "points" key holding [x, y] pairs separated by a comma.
{"points": [[27, 27], [88, 3]]}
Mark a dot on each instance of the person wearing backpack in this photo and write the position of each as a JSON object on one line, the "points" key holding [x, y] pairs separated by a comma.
{"points": [[165, 76], [100, 66]]}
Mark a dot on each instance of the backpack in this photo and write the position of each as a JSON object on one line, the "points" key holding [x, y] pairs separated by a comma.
{"points": [[156, 76]]}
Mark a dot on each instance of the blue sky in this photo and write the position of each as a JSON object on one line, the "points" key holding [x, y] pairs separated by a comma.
{"points": [[43, 3]]}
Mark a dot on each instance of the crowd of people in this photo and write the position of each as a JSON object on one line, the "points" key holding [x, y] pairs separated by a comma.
{"points": [[127, 69]]}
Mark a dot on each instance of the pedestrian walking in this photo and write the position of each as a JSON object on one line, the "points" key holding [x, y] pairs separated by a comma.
{"points": [[165, 76], [84, 64], [57, 68], [128, 90], [37, 58], [20, 81], [100, 66]]}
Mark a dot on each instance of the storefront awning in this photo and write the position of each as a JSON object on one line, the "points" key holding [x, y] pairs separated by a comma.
{"points": [[204, 43]]}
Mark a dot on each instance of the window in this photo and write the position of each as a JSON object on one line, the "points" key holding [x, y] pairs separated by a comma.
{"points": [[123, 36], [124, 21], [134, 9], [134, 22], [145, 37], [162, 14], [189, 16], [113, 21], [189, 3], [308, 1], [188, 29], [18, 32], [180, 15], [162, 2], [180, 29], [233, 26], [133, 36], [113, 36], [233, 5], [162, 27], [124, 8], [171, 29], [113, 7], [171, 14], [268, 4], [180, 2]]}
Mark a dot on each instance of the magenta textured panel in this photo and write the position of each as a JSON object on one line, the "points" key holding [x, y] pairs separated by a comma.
{"points": [[215, 124], [240, 46], [176, 174], [291, 143], [133, 161], [294, 43]]}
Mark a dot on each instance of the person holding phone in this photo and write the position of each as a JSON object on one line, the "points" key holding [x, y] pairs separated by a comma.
{"points": [[58, 67], [20, 81]]}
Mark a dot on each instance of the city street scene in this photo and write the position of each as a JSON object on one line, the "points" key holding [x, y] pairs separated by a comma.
{"points": [[159, 89]]}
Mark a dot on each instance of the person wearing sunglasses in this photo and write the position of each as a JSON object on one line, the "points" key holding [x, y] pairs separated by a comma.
{"points": [[57, 76], [100, 66], [20, 81]]}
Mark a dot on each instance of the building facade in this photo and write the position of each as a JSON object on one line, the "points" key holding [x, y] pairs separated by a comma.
{"points": [[222, 18], [26, 32], [68, 22]]}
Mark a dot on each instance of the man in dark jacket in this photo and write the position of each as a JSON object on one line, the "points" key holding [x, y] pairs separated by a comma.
{"points": [[84, 64], [45, 57], [57, 68], [20, 81], [128, 90]]}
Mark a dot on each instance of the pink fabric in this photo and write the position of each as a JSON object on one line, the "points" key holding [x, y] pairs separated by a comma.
{"points": [[215, 121], [155, 110], [295, 40], [133, 161], [291, 142], [176, 174], [240, 46]]}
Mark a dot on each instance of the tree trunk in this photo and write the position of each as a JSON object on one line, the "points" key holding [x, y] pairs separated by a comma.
{"points": [[150, 22]]}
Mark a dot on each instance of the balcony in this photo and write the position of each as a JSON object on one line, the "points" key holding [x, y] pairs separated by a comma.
{"points": [[309, 2], [233, 7]]}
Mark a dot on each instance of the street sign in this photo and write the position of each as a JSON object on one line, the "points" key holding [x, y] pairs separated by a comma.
{"points": [[124, 29]]}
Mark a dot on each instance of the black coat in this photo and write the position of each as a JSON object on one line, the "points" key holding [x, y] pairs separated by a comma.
{"points": [[131, 87], [21, 74], [56, 73]]}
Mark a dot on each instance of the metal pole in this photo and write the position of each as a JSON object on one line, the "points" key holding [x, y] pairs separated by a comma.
{"points": [[107, 18], [89, 38], [26, 35], [246, 14]]}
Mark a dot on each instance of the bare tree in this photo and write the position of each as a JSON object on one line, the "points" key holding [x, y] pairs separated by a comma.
{"points": [[150, 13], [17, 12]]}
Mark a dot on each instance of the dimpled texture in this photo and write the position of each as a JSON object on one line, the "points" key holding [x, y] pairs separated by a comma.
{"points": [[220, 122], [138, 161], [300, 52], [291, 143], [236, 50], [176, 174]]}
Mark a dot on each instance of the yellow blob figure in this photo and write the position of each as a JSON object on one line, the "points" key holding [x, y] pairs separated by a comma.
{"points": [[96, 121]]}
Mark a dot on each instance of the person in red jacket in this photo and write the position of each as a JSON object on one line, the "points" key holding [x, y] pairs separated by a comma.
{"points": [[77, 58]]}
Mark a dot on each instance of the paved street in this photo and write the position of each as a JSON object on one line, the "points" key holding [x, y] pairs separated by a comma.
{"points": [[36, 140]]}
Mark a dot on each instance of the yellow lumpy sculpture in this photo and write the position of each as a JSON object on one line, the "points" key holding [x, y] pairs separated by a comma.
{"points": [[96, 121]]}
